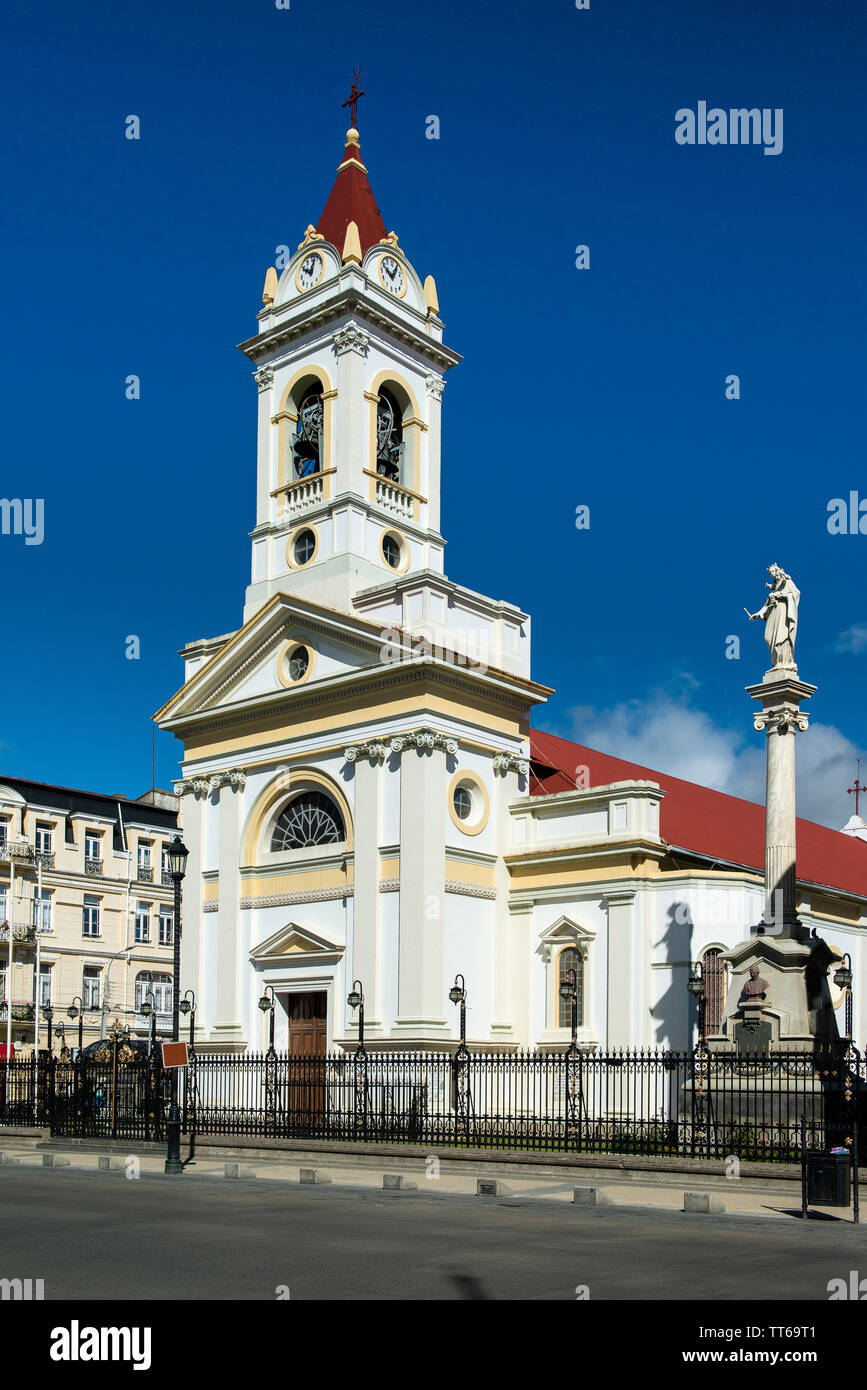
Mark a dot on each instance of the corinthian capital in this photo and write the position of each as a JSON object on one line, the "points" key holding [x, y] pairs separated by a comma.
{"points": [[351, 339]]}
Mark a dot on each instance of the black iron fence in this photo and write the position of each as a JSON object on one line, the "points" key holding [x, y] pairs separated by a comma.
{"points": [[696, 1104]]}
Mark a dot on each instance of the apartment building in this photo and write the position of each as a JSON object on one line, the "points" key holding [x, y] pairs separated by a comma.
{"points": [[86, 912]]}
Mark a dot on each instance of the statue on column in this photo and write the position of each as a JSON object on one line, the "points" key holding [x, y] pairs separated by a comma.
{"points": [[780, 614]]}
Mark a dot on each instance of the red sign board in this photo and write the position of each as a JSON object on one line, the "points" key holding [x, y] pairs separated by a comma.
{"points": [[3, 1053], [175, 1054]]}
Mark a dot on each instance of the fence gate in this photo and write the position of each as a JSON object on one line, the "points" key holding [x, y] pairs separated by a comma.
{"points": [[115, 1092]]}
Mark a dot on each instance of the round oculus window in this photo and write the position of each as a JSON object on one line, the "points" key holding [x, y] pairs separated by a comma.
{"points": [[391, 551], [298, 663], [304, 547], [463, 803]]}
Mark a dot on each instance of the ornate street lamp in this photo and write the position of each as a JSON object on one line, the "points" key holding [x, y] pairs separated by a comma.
{"points": [[176, 858], [569, 991], [695, 985], [188, 1006], [458, 995], [355, 1000], [267, 1004], [148, 1007], [843, 980], [77, 1013]]}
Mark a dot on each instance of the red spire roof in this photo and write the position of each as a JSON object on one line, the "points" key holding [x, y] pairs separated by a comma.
{"points": [[709, 823], [351, 200]]}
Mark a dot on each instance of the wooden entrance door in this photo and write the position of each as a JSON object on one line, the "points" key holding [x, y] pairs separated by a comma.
{"points": [[308, 1034], [308, 1024]]}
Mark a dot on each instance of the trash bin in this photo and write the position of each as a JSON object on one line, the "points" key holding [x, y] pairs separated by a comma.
{"points": [[828, 1178]]}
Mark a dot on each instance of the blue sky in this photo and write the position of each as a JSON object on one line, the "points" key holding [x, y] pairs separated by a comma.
{"points": [[603, 387]]}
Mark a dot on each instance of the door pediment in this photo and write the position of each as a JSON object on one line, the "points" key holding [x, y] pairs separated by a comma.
{"points": [[293, 941]]}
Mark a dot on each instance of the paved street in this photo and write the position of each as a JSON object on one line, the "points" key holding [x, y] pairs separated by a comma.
{"points": [[96, 1235]]}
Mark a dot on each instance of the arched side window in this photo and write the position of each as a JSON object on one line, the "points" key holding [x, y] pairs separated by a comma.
{"points": [[307, 440], [570, 959], [311, 818], [713, 969], [389, 437]]}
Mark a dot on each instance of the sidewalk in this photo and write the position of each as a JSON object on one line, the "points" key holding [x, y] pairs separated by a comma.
{"points": [[773, 1198]]}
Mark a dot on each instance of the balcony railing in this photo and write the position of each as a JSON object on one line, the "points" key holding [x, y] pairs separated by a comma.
{"points": [[24, 931], [93, 866], [145, 873], [25, 855]]}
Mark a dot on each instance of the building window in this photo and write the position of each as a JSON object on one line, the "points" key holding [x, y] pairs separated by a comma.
{"points": [[145, 866], [305, 546], [90, 987], [160, 986], [297, 663], [389, 437], [391, 551], [4, 901], [307, 442], [44, 838], [92, 851], [713, 971], [142, 922], [311, 819], [570, 959], [90, 916], [45, 979], [463, 803], [4, 833], [42, 904], [3, 995], [166, 926]]}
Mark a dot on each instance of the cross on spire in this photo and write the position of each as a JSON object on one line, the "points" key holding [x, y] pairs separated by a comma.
{"points": [[857, 788], [352, 99]]}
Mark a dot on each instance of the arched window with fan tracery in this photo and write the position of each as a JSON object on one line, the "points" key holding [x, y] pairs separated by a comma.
{"points": [[310, 819]]}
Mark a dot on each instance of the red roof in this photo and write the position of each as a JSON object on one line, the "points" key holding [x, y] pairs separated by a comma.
{"points": [[351, 200], [707, 822]]}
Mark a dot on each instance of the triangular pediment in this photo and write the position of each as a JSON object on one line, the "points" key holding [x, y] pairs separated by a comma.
{"points": [[292, 940], [564, 931], [246, 669]]}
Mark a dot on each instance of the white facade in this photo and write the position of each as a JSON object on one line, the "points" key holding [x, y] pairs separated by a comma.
{"points": [[364, 679]]}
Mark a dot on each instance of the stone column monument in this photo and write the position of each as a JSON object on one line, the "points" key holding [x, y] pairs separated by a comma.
{"points": [[778, 996]]}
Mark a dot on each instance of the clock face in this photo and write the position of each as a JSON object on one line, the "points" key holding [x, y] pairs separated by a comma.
{"points": [[310, 271], [391, 275]]}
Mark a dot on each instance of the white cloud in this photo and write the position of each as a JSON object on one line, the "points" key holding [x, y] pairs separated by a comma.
{"points": [[852, 640], [670, 736]]}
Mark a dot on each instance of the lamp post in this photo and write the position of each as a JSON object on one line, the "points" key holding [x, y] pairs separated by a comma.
{"points": [[569, 990], [843, 980], [148, 1007], [355, 1000], [188, 1006], [695, 985], [77, 1013], [176, 856], [458, 995], [267, 1004]]}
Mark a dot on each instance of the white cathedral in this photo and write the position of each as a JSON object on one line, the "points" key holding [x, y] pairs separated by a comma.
{"points": [[364, 799]]}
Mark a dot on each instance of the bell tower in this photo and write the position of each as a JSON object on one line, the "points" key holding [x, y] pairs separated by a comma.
{"points": [[349, 362]]}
